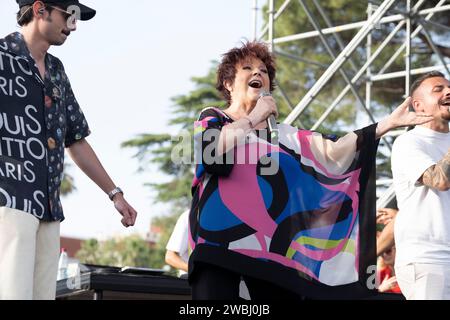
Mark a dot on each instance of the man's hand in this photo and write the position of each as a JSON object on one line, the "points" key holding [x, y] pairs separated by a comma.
{"points": [[385, 215], [127, 211], [388, 284]]}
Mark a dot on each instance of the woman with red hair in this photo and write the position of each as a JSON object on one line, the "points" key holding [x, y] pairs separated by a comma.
{"points": [[283, 209]]}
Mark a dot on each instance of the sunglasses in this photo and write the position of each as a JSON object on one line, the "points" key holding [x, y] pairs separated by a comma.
{"points": [[66, 13]]}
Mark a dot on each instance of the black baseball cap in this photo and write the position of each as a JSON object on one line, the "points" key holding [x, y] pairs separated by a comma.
{"points": [[86, 12]]}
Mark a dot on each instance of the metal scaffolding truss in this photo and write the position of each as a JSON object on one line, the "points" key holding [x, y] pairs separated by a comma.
{"points": [[379, 13]]}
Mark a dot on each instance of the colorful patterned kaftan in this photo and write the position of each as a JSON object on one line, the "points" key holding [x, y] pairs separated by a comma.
{"points": [[309, 228]]}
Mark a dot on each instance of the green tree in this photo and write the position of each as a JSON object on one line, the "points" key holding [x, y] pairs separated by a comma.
{"points": [[89, 252], [295, 78], [129, 251], [157, 148]]}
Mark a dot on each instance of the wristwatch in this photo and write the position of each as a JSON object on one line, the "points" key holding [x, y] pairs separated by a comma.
{"points": [[114, 192]]}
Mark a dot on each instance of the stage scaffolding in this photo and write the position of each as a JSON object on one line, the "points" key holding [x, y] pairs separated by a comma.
{"points": [[379, 13]]}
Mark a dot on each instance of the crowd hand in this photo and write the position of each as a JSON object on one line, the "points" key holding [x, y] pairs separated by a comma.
{"points": [[265, 107], [126, 210], [385, 215], [402, 117], [388, 284]]}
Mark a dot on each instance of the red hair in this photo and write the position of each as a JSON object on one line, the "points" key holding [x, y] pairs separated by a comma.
{"points": [[227, 69]]}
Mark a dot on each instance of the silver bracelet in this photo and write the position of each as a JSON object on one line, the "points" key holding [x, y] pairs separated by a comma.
{"points": [[114, 192]]}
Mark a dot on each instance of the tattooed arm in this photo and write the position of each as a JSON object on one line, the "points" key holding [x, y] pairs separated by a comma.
{"points": [[438, 176]]}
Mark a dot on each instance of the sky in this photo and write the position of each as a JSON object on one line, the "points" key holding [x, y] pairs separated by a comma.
{"points": [[124, 66]]}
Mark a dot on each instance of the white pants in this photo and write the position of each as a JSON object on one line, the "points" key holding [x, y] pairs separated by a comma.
{"points": [[29, 253], [420, 281]]}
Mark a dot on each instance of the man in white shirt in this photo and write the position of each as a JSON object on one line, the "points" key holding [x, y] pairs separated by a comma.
{"points": [[421, 170], [177, 254]]}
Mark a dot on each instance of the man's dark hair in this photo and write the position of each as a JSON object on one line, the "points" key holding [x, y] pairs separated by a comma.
{"points": [[422, 78], [25, 13]]}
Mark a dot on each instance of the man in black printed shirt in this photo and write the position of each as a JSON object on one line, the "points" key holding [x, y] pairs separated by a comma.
{"points": [[39, 118]]}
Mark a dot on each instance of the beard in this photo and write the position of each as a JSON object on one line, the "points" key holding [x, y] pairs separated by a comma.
{"points": [[53, 37], [446, 116], [56, 39]]}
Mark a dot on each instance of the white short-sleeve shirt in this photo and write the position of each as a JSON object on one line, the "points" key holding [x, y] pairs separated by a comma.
{"points": [[178, 241], [422, 226]]}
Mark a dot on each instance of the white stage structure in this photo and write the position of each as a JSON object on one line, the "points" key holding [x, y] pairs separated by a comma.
{"points": [[405, 13]]}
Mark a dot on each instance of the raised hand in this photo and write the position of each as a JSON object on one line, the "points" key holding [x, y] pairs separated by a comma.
{"points": [[402, 117]]}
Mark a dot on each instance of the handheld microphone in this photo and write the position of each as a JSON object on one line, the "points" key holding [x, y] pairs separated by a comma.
{"points": [[271, 122]]}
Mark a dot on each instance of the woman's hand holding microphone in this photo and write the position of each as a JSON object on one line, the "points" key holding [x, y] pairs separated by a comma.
{"points": [[265, 107]]}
